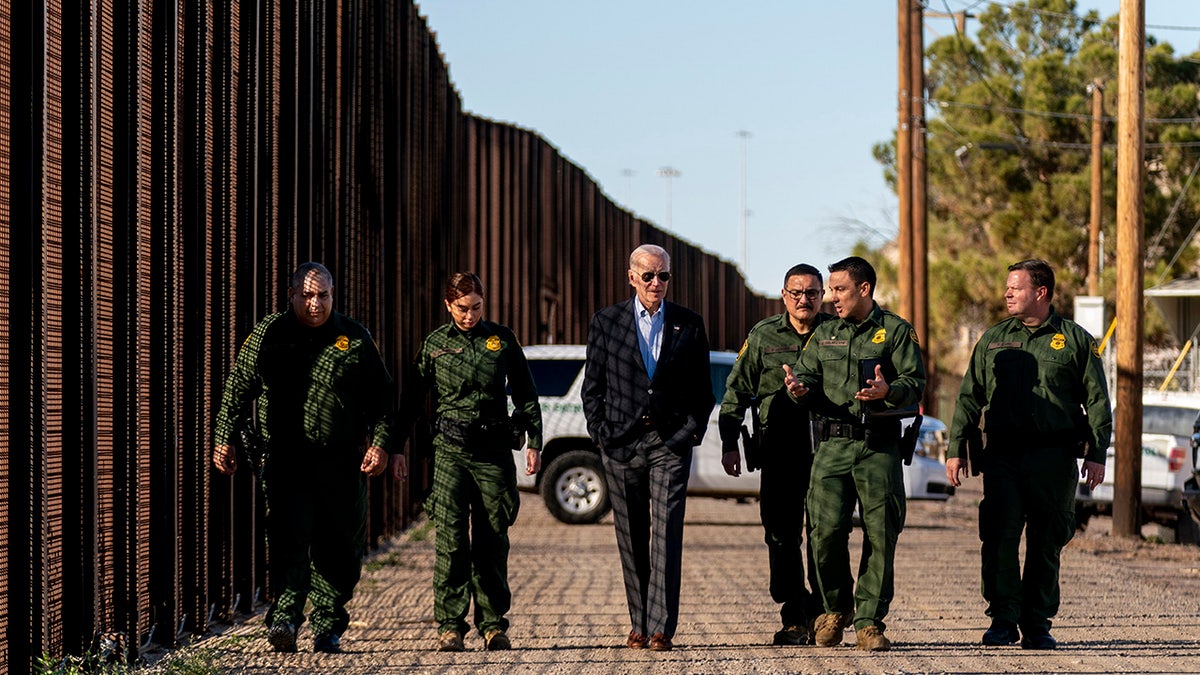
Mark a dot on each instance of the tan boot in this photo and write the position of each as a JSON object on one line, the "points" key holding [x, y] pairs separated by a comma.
{"points": [[871, 639], [830, 629], [793, 635], [450, 641], [496, 640]]}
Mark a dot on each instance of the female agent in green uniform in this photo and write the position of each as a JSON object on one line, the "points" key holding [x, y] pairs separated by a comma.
{"points": [[465, 364]]}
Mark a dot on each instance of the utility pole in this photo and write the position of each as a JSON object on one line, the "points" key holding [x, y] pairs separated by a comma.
{"points": [[960, 19], [920, 235], [1096, 89], [1131, 94], [904, 155], [669, 172], [743, 213]]}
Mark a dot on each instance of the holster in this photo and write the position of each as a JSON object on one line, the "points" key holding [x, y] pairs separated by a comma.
{"points": [[976, 456], [751, 448], [1084, 440], [753, 441], [250, 441]]}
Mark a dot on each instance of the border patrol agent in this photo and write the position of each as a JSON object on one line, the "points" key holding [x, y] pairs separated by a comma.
{"points": [[867, 361], [466, 363], [1035, 374], [323, 394], [781, 446]]}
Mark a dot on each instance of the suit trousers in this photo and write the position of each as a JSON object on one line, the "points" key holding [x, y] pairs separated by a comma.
{"points": [[648, 493], [1031, 489]]}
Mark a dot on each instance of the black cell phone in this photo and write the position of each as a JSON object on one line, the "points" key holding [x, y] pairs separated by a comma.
{"points": [[866, 367]]}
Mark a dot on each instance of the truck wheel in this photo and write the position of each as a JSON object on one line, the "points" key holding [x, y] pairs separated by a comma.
{"points": [[1187, 530], [575, 489], [1082, 515]]}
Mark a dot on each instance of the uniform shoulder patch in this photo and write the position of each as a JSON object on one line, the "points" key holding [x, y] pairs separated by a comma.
{"points": [[1095, 348], [743, 349], [912, 335]]}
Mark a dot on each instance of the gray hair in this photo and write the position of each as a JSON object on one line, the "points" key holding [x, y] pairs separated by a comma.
{"points": [[649, 250]]}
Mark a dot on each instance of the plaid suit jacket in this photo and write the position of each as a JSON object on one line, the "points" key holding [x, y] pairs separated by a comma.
{"points": [[618, 394]]}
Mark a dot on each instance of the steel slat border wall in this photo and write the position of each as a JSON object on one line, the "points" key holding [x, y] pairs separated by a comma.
{"points": [[174, 160], [6, 421]]}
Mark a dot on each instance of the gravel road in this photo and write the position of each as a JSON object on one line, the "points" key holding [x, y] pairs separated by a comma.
{"points": [[1128, 606]]}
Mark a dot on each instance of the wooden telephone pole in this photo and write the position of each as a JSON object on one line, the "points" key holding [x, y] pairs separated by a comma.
{"points": [[904, 155], [1131, 85], [913, 241], [920, 235], [1096, 88]]}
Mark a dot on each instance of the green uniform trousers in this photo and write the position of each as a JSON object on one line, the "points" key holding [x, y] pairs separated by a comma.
{"points": [[316, 534], [474, 502], [1031, 490], [845, 471]]}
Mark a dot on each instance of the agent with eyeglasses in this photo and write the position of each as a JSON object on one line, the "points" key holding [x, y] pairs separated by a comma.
{"points": [[647, 397], [782, 445]]}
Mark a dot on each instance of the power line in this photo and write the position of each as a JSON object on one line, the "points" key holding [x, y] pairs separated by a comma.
{"points": [[1022, 142], [1064, 15], [1062, 115]]}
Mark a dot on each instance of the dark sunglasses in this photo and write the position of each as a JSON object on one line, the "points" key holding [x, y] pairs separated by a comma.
{"points": [[662, 276]]}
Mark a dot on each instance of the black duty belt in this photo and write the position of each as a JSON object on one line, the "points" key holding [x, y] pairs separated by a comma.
{"points": [[845, 430]]}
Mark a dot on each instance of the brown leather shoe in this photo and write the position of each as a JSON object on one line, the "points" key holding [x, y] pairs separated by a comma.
{"points": [[636, 640], [660, 643]]}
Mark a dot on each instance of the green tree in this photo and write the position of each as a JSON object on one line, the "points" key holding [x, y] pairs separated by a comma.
{"points": [[1008, 158]]}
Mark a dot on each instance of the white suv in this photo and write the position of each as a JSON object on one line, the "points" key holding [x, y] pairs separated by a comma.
{"points": [[572, 480]]}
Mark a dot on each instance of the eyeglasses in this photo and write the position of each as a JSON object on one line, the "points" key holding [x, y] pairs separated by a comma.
{"points": [[662, 276], [811, 294]]}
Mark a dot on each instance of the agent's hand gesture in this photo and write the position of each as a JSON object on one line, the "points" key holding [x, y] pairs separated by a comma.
{"points": [[795, 388], [876, 388]]}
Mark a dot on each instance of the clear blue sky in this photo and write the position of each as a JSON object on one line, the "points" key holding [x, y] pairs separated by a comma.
{"points": [[636, 85]]}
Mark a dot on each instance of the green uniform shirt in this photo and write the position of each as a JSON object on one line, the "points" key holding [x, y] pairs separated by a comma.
{"points": [[1034, 382], [467, 372], [758, 374], [831, 363], [325, 385]]}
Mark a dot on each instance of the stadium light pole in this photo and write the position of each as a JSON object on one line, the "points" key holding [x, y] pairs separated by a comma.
{"points": [[669, 172]]}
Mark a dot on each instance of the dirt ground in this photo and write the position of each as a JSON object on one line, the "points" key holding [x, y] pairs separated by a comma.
{"points": [[1127, 606]]}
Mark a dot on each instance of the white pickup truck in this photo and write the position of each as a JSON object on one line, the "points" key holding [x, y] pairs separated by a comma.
{"points": [[1168, 465], [572, 480]]}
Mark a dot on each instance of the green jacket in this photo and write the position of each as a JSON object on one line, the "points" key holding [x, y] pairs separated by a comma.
{"points": [[467, 373], [758, 374], [326, 386], [831, 363], [1034, 383]]}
